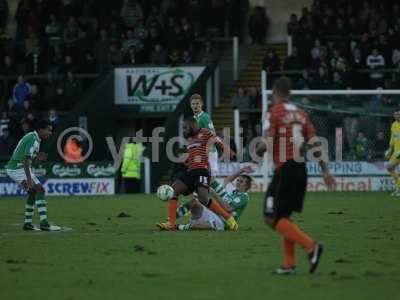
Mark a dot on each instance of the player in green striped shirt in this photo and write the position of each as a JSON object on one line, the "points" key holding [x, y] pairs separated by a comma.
{"points": [[233, 198], [204, 121], [19, 169]]}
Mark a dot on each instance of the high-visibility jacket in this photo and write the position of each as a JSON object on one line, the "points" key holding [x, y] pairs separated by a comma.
{"points": [[131, 160]]}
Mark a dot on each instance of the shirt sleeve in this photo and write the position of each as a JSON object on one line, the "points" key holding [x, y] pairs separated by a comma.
{"points": [[29, 148], [209, 135]]}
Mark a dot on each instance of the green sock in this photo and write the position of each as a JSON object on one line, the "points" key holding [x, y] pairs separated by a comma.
{"points": [[29, 206], [41, 207], [184, 227], [182, 210]]}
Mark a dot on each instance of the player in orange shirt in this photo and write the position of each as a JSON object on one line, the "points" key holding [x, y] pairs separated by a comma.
{"points": [[290, 129], [197, 175]]}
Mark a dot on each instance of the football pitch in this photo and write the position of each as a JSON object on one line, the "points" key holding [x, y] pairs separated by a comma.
{"points": [[104, 256]]}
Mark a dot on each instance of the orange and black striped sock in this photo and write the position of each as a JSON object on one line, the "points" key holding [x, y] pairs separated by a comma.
{"points": [[292, 232], [217, 208], [172, 206], [289, 252]]}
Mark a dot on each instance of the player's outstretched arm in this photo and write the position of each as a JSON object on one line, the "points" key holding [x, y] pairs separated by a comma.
{"points": [[232, 177]]}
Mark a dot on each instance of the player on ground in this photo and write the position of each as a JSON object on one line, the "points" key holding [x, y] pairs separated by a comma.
{"points": [[232, 198], [19, 169], [204, 121], [196, 177], [393, 153], [289, 128]]}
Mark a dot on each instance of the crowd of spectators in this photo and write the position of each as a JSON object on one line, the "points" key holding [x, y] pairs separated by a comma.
{"points": [[343, 44], [60, 41]]}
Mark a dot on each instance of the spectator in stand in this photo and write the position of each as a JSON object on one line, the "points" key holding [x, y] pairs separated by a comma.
{"points": [[207, 54], [271, 61], [321, 81], [24, 128], [293, 61], [114, 32], [361, 151], [173, 58], [7, 144], [114, 56], [187, 32], [293, 26], [186, 57], [131, 12], [375, 61], [337, 60], [68, 65], [258, 25], [337, 82], [159, 56], [305, 81], [396, 57], [130, 41], [34, 98], [54, 31], [8, 67], [316, 50], [357, 79], [5, 122], [130, 57], [254, 102], [54, 119], [21, 90], [71, 32], [241, 101]]}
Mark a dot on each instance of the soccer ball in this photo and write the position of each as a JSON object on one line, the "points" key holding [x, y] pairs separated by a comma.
{"points": [[165, 192]]}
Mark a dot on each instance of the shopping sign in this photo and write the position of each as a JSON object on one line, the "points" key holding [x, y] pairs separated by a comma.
{"points": [[153, 89], [349, 175]]}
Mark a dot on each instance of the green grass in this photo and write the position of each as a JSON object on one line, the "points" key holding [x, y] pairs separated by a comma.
{"points": [[98, 258]]}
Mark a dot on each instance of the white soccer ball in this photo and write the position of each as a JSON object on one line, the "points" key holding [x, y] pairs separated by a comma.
{"points": [[165, 192]]}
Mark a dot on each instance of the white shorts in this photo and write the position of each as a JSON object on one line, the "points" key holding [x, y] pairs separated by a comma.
{"points": [[18, 175], [213, 163], [211, 218]]}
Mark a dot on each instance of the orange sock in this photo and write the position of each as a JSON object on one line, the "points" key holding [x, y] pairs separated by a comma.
{"points": [[288, 249], [292, 232], [172, 206], [217, 208]]}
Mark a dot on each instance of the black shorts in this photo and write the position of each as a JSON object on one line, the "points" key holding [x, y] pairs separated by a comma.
{"points": [[178, 170], [286, 191], [195, 178]]}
